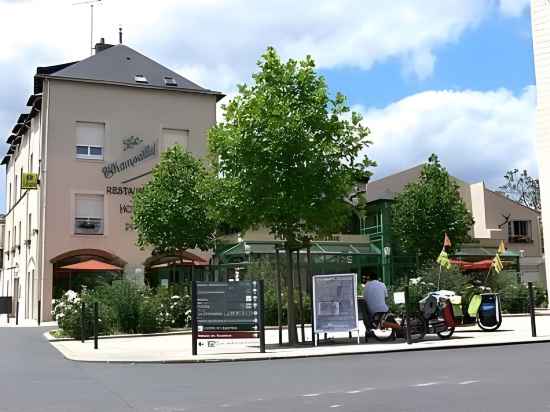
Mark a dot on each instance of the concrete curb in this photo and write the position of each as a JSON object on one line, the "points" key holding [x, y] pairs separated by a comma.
{"points": [[139, 335], [50, 338], [320, 355]]}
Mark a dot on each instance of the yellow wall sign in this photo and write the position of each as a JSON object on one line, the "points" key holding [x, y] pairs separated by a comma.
{"points": [[29, 181]]}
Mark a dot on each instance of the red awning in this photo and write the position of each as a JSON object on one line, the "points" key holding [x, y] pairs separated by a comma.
{"points": [[92, 264], [481, 265]]}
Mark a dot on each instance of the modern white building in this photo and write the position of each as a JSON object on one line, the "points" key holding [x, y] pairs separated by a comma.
{"points": [[540, 22], [94, 131]]}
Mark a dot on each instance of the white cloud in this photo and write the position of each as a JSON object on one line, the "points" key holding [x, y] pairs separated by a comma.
{"points": [[217, 42], [513, 8], [477, 135], [231, 34]]}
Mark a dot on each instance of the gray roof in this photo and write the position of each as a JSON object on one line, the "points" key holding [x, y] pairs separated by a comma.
{"points": [[120, 64]]}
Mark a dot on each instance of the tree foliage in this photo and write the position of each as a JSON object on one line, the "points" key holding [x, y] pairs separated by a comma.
{"points": [[288, 153], [521, 187], [428, 208], [171, 213]]}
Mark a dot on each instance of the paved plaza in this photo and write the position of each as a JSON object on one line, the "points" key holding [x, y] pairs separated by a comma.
{"points": [[177, 347]]}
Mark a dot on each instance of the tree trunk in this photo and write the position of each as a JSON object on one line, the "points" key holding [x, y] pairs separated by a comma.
{"points": [[291, 308]]}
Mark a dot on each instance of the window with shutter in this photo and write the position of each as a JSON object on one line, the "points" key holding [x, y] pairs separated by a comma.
{"points": [[89, 214], [90, 139]]}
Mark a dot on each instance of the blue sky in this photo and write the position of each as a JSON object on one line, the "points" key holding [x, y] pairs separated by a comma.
{"points": [[454, 77], [497, 54]]}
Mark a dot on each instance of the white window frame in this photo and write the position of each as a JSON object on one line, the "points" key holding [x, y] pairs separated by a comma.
{"points": [[88, 155]]}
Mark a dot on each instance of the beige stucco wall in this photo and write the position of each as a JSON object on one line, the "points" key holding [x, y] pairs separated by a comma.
{"points": [[126, 111], [540, 23]]}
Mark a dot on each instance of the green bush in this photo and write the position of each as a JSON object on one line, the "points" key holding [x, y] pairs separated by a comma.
{"points": [[178, 304], [67, 312], [153, 314], [124, 298]]}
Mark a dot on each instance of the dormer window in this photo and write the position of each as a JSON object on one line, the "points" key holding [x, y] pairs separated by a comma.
{"points": [[170, 81], [140, 78]]}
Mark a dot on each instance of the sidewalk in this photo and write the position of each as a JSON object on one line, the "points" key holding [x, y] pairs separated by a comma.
{"points": [[177, 348]]}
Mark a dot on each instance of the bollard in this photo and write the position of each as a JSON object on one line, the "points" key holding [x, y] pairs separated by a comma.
{"points": [[39, 311], [96, 315], [407, 318], [16, 313], [532, 310], [82, 332]]}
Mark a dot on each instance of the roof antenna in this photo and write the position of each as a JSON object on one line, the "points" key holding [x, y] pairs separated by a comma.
{"points": [[119, 34], [91, 3]]}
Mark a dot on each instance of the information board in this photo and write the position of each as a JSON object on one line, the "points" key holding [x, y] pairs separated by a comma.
{"points": [[335, 303], [227, 311]]}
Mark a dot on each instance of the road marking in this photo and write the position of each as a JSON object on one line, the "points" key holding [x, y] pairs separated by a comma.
{"points": [[359, 391], [335, 406], [467, 382], [310, 395], [420, 385]]}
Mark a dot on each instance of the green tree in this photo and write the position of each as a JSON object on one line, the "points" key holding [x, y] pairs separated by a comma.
{"points": [[523, 188], [287, 155], [171, 213], [427, 209]]}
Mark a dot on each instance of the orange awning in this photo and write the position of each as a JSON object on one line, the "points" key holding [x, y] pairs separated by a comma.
{"points": [[92, 264]]}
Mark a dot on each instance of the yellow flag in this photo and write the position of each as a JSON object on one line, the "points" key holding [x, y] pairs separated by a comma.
{"points": [[501, 248], [443, 260], [497, 264]]}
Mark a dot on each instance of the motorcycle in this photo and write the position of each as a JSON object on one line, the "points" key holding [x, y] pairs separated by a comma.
{"points": [[434, 316]]}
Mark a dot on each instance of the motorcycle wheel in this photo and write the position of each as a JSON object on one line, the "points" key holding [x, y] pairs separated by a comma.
{"points": [[383, 335]]}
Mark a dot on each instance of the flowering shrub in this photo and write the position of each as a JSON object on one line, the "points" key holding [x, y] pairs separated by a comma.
{"points": [[124, 307], [67, 312], [180, 311]]}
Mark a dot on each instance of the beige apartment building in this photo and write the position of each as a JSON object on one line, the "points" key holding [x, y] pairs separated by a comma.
{"points": [[496, 217], [94, 131], [540, 23]]}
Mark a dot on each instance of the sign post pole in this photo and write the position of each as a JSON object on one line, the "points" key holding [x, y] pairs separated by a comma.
{"points": [[194, 317], [532, 310], [310, 283], [407, 318], [279, 303], [261, 315]]}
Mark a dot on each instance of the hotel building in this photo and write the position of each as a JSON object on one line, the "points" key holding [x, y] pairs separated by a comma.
{"points": [[94, 130]]}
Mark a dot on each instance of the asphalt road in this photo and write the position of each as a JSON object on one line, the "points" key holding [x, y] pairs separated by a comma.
{"points": [[35, 377]]}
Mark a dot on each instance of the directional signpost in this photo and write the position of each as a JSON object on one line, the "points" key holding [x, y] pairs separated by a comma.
{"points": [[227, 311]]}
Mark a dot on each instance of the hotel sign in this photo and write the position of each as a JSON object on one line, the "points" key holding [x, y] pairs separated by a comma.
{"points": [[115, 167], [29, 181]]}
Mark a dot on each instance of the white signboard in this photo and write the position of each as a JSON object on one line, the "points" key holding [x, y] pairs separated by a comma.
{"points": [[335, 303], [399, 298]]}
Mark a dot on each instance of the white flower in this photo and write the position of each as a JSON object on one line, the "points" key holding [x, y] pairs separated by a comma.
{"points": [[71, 295], [176, 297], [415, 281]]}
